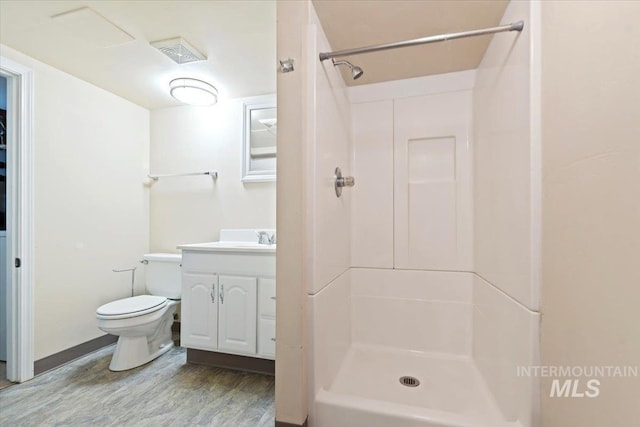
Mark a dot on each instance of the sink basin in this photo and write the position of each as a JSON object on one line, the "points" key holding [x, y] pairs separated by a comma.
{"points": [[240, 244], [243, 240]]}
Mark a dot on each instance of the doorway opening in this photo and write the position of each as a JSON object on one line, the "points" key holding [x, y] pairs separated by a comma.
{"points": [[16, 257]]}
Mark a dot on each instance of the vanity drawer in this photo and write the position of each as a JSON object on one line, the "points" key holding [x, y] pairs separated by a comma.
{"points": [[267, 337], [267, 297], [235, 263]]}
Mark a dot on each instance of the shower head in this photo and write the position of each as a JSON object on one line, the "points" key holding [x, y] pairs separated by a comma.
{"points": [[356, 72]]}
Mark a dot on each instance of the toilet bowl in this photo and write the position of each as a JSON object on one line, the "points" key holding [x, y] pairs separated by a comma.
{"points": [[143, 323]]}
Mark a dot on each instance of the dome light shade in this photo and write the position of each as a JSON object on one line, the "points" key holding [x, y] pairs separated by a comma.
{"points": [[193, 91]]}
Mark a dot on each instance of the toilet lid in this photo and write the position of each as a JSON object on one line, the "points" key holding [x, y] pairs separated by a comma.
{"points": [[134, 306]]}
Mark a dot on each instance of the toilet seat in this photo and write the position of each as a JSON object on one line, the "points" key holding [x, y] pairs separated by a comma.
{"points": [[131, 307]]}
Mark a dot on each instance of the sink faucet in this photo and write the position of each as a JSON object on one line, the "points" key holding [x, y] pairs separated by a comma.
{"points": [[265, 239]]}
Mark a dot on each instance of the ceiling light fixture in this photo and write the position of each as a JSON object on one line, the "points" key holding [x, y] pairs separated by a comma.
{"points": [[193, 91]]}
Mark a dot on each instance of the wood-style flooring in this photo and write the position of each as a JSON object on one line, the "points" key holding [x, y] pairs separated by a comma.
{"points": [[164, 392], [3, 376]]}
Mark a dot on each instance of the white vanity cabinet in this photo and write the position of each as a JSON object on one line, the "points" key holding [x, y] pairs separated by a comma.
{"points": [[228, 299]]}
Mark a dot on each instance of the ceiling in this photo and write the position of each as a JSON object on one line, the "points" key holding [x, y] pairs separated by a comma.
{"points": [[237, 37], [359, 23]]}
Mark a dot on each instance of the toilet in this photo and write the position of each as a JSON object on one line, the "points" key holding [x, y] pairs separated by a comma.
{"points": [[143, 323]]}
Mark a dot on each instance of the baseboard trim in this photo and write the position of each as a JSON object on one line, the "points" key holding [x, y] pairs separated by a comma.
{"points": [[231, 361], [283, 424], [65, 356]]}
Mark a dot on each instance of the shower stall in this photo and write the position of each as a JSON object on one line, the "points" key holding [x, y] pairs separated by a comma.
{"points": [[422, 293]]}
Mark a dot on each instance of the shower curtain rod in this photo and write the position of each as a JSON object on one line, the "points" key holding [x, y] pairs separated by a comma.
{"points": [[516, 26]]}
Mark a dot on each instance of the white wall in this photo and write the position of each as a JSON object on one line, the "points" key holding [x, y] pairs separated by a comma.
{"points": [[591, 204], [506, 233], [194, 209], [291, 262], [91, 207]]}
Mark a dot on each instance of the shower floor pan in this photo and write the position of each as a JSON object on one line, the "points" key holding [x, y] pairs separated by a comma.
{"points": [[367, 392]]}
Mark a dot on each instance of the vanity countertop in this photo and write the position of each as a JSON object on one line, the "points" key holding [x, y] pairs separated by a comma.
{"points": [[230, 246]]}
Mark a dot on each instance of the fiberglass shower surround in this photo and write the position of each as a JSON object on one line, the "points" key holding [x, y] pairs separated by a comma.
{"points": [[409, 326]]}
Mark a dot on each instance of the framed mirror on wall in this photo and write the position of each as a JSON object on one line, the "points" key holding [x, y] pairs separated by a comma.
{"points": [[260, 135]]}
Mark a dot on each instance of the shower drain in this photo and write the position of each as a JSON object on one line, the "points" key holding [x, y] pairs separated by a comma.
{"points": [[409, 381]]}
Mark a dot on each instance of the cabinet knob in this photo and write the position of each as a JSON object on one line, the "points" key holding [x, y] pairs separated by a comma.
{"points": [[273, 339]]}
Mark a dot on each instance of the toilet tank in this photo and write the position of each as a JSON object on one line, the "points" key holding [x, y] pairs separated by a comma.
{"points": [[164, 275]]}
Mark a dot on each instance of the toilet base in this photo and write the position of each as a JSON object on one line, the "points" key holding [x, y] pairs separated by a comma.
{"points": [[137, 346], [132, 352]]}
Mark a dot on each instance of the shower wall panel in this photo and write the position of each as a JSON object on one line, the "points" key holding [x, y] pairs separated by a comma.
{"points": [[372, 196], [424, 311], [328, 147], [432, 195], [505, 337], [329, 311], [506, 202], [412, 203], [505, 164]]}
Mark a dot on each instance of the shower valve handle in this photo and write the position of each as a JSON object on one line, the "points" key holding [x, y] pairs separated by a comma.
{"points": [[342, 181], [347, 181]]}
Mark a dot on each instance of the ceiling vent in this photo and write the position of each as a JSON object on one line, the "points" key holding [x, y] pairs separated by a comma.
{"points": [[89, 26], [179, 50]]}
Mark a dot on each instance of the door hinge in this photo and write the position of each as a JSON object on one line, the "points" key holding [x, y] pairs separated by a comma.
{"points": [[18, 263]]}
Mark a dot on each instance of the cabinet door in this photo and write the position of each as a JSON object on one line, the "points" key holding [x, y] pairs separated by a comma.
{"points": [[267, 297], [199, 322], [266, 317], [237, 317], [267, 338]]}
